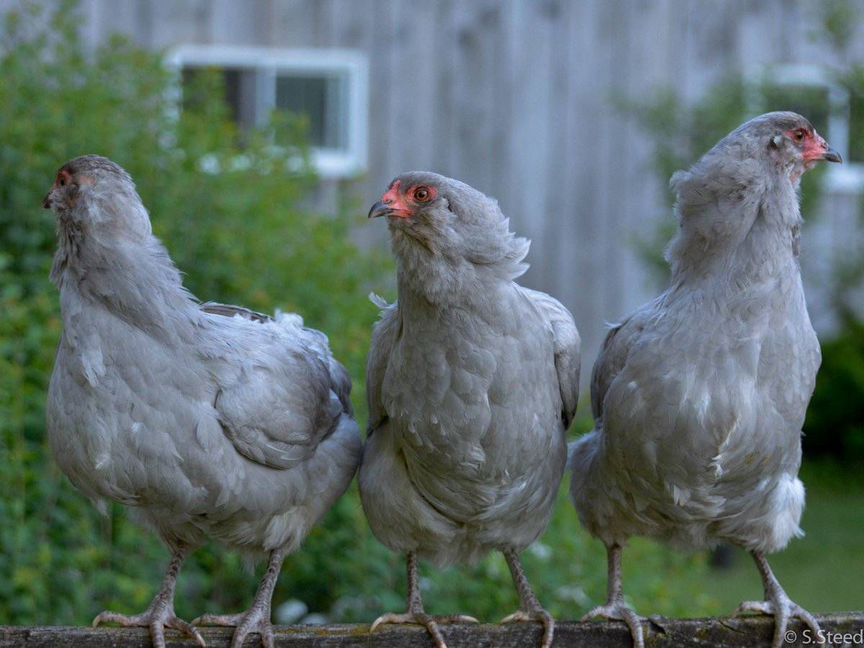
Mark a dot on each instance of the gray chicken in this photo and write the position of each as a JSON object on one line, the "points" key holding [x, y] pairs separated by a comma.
{"points": [[472, 382], [211, 421], [699, 396]]}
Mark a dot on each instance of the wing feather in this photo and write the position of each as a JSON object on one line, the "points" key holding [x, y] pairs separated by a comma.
{"points": [[384, 337], [567, 345], [284, 392]]}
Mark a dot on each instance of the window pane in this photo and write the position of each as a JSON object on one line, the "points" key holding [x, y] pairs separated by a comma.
{"points": [[233, 84], [321, 100]]}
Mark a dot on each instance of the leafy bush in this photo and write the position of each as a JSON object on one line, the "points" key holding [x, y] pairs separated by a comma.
{"points": [[835, 419], [242, 236]]}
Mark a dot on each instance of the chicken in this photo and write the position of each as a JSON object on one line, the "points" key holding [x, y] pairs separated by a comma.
{"points": [[472, 382], [212, 421], [699, 396]]}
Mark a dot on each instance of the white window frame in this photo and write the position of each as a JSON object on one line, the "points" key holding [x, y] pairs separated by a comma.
{"points": [[269, 62], [840, 178]]}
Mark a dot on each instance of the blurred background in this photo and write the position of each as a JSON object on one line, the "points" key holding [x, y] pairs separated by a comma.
{"points": [[259, 133]]}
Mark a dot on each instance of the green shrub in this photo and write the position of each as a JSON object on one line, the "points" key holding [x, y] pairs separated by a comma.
{"points": [[835, 419]]}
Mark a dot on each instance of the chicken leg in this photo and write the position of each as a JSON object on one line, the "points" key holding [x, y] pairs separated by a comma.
{"points": [[160, 613], [529, 607], [416, 614], [616, 608], [777, 604], [257, 617]]}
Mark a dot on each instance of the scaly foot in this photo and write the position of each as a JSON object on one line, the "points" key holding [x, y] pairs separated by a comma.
{"points": [[782, 609], [256, 619], [777, 604], [157, 617], [426, 620], [540, 615], [620, 611], [529, 607]]}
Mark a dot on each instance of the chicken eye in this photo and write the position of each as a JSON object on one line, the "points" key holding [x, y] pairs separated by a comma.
{"points": [[422, 194], [61, 181], [799, 134]]}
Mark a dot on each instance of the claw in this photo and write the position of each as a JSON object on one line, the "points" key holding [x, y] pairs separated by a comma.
{"points": [[187, 629], [254, 620], [782, 610], [456, 618], [426, 620], [620, 611], [111, 617], [777, 604], [417, 619], [231, 620], [541, 615], [516, 617], [156, 620], [754, 607], [389, 617]]}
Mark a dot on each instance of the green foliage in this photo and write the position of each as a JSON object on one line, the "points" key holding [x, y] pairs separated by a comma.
{"points": [[835, 419], [837, 22]]}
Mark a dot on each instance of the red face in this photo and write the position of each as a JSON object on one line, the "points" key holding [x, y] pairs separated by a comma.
{"points": [[64, 179], [814, 145], [403, 204]]}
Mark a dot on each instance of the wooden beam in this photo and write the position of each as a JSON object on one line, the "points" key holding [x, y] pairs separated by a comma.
{"points": [[743, 632]]}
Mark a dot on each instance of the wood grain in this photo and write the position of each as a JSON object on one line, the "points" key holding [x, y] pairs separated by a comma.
{"points": [[744, 632]]}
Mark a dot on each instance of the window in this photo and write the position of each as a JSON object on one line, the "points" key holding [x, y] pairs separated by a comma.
{"points": [[832, 109], [328, 86]]}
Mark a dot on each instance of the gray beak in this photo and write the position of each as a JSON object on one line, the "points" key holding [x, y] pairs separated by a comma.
{"points": [[831, 155], [379, 209]]}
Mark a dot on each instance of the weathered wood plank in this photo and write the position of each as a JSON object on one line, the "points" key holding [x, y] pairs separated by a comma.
{"points": [[749, 632]]}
